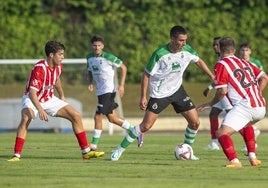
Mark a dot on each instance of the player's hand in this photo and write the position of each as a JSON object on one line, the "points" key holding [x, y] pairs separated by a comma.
{"points": [[205, 92], [203, 107], [43, 115], [121, 90], [90, 87], [143, 103]]}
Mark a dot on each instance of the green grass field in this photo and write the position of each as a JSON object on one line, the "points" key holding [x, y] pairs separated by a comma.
{"points": [[54, 160]]}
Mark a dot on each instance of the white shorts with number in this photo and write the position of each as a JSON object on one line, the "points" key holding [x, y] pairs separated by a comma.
{"points": [[241, 115], [51, 106], [223, 104]]}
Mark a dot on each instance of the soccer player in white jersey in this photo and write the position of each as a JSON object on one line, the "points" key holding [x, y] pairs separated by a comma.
{"points": [[39, 100], [164, 76], [243, 83], [101, 69]]}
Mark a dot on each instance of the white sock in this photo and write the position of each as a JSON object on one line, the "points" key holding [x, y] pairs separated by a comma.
{"points": [[97, 133], [126, 125]]}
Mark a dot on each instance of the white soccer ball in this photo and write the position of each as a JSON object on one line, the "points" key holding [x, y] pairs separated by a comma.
{"points": [[183, 152]]}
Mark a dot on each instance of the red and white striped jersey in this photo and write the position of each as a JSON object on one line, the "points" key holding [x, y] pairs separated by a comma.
{"points": [[241, 79], [42, 79]]}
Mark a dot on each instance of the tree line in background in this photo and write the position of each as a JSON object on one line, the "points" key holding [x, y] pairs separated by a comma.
{"points": [[132, 30]]}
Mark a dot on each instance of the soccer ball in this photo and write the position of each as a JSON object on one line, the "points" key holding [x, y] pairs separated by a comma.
{"points": [[183, 152]]}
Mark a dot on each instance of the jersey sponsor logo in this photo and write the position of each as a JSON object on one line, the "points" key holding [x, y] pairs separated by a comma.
{"points": [[175, 66]]}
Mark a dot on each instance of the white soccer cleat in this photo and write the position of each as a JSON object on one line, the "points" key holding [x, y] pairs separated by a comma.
{"points": [[212, 146], [117, 153], [194, 158]]}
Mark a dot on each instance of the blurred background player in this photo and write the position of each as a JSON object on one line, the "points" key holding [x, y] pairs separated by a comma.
{"points": [[101, 69], [222, 105], [245, 53]]}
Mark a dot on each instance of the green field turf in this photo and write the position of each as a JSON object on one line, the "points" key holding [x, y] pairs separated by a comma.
{"points": [[54, 160]]}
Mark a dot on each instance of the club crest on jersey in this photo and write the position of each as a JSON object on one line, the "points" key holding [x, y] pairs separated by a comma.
{"points": [[35, 82], [154, 106]]}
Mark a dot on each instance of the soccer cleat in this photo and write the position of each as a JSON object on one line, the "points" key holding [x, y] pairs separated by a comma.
{"points": [[194, 158], [140, 140], [233, 165], [117, 153], [92, 154], [212, 146], [255, 162], [14, 159]]}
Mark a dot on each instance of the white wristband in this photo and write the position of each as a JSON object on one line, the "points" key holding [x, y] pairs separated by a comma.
{"points": [[210, 87]]}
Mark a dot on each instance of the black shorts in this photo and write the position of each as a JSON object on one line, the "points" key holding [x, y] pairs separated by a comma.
{"points": [[106, 103], [180, 101]]}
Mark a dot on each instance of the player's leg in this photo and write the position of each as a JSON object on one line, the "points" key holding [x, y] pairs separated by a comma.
{"points": [[224, 136], [147, 123], [214, 125], [26, 116], [97, 131], [68, 112], [191, 130]]}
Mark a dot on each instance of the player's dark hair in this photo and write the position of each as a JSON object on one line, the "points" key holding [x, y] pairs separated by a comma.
{"points": [[227, 44], [53, 46], [245, 45], [176, 30], [96, 38], [216, 38]]}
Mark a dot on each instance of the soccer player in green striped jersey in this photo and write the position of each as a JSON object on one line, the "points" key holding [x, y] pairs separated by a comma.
{"points": [[101, 67], [163, 75]]}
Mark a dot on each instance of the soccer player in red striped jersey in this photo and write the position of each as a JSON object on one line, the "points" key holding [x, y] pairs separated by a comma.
{"points": [[242, 83], [39, 100]]}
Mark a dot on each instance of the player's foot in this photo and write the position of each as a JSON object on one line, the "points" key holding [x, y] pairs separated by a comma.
{"points": [[255, 162], [93, 147], [14, 159], [117, 153], [92, 154], [194, 158], [233, 165], [140, 140], [212, 146]]}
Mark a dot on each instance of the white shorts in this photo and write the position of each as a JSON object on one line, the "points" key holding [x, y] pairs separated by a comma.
{"points": [[241, 115], [51, 106], [223, 104]]}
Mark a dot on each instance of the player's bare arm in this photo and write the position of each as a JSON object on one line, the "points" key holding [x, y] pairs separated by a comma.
{"points": [[121, 86], [203, 66], [263, 80], [144, 87], [220, 93], [90, 81], [58, 87]]}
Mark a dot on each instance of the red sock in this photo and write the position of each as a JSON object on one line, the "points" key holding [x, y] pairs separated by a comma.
{"points": [[18, 145], [249, 138], [242, 132], [214, 125], [82, 140], [227, 146]]}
